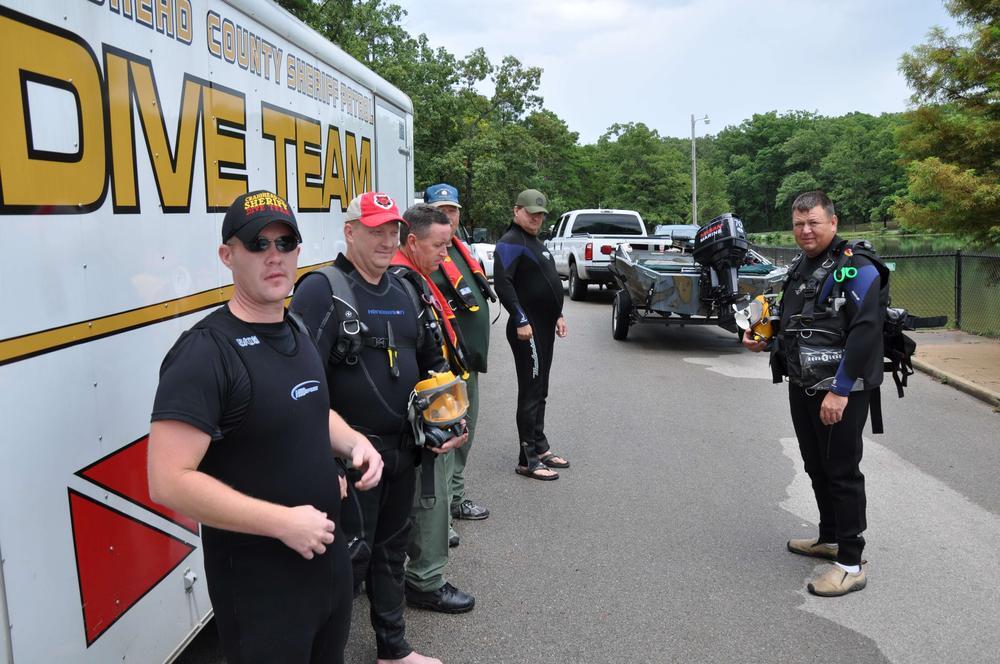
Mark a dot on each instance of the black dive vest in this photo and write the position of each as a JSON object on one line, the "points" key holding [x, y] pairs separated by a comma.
{"points": [[811, 343], [281, 451]]}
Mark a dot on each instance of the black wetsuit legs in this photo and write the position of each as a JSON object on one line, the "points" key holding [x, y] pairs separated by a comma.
{"points": [[832, 456], [377, 524], [533, 362], [273, 605]]}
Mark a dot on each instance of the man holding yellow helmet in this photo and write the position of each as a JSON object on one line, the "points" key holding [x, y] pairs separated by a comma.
{"points": [[374, 330], [438, 410]]}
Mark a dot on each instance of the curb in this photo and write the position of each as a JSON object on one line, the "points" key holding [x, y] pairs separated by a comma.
{"points": [[967, 386]]}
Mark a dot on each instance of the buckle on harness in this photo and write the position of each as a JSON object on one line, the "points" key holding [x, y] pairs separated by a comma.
{"points": [[352, 327]]}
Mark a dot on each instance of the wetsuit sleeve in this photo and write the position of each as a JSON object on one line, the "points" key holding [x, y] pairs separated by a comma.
{"points": [[864, 331], [202, 384], [506, 257], [311, 301]]}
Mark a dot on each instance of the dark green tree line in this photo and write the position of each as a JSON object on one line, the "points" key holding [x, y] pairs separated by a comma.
{"points": [[483, 126]]}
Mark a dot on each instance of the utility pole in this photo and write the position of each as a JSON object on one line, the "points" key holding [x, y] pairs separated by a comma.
{"points": [[694, 170]]}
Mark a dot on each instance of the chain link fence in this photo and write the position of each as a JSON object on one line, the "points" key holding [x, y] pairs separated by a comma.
{"points": [[964, 286]]}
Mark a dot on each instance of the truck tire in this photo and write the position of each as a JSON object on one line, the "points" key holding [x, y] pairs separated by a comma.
{"points": [[621, 315], [577, 286]]}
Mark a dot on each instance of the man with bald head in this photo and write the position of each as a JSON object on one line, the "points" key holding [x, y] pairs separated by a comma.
{"points": [[371, 385]]}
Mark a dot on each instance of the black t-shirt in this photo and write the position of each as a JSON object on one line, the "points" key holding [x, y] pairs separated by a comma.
{"points": [[204, 383], [259, 391]]}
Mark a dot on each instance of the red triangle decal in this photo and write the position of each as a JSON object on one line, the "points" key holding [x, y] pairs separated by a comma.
{"points": [[124, 473], [118, 561]]}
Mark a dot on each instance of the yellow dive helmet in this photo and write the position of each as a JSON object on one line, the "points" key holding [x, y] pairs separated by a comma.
{"points": [[758, 316], [446, 399]]}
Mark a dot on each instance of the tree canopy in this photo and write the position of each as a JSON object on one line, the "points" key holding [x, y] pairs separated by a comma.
{"points": [[951, 141], [482, 125]]}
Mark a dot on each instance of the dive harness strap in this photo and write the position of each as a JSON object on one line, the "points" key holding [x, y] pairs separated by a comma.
{"points": [[425, 458], [813, 309], [340, 333], [447, 335]]}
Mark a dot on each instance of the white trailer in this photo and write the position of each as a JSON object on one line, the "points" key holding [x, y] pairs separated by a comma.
{"points": [[126, 129]]}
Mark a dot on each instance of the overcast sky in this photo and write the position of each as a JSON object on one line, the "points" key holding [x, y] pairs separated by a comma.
{"points": [[608, 61]]}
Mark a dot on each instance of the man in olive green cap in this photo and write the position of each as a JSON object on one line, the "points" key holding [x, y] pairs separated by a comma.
{"points": [[529, 287]]}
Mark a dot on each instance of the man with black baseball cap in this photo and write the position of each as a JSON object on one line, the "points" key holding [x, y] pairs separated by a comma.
{"points": [[371, 381], [530, 289], [243, 440]]}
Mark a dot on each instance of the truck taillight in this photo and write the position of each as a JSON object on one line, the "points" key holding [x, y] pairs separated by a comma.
{"points": [[588, 252], [607, 249]]}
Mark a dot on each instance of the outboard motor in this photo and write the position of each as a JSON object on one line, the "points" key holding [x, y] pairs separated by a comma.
{"points": [[720, 246]]}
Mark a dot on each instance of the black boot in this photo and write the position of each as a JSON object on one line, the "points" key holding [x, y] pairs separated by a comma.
{"points": [[446, 599]]}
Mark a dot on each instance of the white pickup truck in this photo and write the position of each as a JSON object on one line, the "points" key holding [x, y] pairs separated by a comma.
{"points": [[582, 243]]}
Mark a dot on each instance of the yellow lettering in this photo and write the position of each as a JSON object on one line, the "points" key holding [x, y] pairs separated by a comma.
{"points": [[278, 126], [213, 25], [165, 17], [309, 164], [333, 178], [183, 21], [35, 177], [224, 114], [126, 7], [255, 55], [243, 47], [228, 40], [359, 165], [144, 12], [173, 171], [124, 185]]}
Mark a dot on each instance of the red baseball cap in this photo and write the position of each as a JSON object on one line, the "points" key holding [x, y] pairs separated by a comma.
{"points": [[373, 208]]}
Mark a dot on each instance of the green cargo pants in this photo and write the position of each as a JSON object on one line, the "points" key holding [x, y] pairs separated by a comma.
{"points": [[457, 482], [428, 545]]}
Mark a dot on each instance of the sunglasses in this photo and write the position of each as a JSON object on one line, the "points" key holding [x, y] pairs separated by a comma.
{"points": [[284, 244]]}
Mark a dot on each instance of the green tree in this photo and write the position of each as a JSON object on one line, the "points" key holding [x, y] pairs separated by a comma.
{"points": [[756, 162], [950, 144], [861, 171], [792, 185], [643, 172]]}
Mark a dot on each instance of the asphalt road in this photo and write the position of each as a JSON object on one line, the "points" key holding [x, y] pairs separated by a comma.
{"points": [[665, 540]]}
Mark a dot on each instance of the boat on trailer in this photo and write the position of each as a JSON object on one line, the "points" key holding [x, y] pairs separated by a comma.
{"points": [[674, 286]]}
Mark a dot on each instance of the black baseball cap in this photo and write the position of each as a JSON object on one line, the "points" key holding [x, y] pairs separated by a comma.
{"points": [[251, 212]]}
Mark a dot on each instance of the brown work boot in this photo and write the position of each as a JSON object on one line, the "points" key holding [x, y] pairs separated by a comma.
{"points": [[813, 548], [835, 582]]}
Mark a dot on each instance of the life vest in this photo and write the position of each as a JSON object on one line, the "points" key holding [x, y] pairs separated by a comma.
{"points": [[435, 303], [813, 340], [463, 295]]}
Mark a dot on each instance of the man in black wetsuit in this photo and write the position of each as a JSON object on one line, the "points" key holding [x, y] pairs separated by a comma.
{"points": [[529, 287], [241, 439], [372, 390], [831, 353]]}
